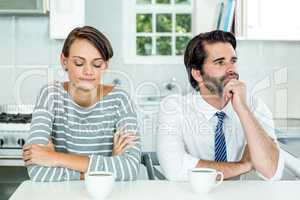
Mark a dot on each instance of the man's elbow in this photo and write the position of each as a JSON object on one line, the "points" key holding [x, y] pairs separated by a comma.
{"points": [[272, 173]]}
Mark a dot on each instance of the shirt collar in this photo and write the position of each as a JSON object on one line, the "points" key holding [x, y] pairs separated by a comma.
{"points": [[208, 110]]}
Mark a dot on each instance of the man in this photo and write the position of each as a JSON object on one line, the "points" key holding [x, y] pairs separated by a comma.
{"points": [[217, 125]]}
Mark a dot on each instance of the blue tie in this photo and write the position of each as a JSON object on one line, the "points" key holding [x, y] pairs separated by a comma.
{"points": [[220, 143]]}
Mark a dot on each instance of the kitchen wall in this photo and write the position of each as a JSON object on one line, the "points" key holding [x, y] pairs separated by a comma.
{"points": [[29, 59]]}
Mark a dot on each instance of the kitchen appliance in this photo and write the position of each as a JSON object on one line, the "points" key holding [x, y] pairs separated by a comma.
{"points": [[14, 130]]}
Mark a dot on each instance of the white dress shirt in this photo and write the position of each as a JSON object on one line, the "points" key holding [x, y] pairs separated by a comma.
{"points": [[186, 133]]}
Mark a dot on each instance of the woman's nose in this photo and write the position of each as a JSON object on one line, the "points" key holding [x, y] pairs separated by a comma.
{"points": [[88, 70]]}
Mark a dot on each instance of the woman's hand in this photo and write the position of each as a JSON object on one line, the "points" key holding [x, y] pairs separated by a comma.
{"points": [[38, 154], [122, 141]]}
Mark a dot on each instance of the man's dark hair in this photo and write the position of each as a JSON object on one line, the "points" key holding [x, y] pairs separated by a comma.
{"points": [[195, 54], [95, 37]]}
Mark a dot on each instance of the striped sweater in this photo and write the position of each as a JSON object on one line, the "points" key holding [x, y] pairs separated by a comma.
{"points": [[84, 131]]}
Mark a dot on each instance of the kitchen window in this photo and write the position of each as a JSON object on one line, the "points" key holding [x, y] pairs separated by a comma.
{"points": [[156, 31]]}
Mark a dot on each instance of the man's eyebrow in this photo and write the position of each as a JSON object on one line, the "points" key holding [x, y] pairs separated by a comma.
{"points": [[234, 58], [218, 59]]}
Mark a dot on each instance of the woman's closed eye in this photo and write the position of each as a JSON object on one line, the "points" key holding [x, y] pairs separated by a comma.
{"points": [[78, 64], [98, 64]]}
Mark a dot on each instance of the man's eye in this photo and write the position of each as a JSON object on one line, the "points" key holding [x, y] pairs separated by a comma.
{"points": [[97, 66], [220, 62]]}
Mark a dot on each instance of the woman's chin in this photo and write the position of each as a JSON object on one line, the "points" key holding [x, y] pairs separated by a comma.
{"points": [[86, 86]]}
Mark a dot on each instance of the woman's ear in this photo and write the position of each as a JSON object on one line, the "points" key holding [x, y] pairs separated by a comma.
{"points": [[63, 62]]}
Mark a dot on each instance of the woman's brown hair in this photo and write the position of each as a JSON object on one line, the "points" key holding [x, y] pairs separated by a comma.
{"points": [[95, 37]]}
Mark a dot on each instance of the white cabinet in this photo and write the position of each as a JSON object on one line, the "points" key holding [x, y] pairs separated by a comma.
{"points": [[23, 7], [271, 19], [254, 19], [148, 120], [65, 15]]}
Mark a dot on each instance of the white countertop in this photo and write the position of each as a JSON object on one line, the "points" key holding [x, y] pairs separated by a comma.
{"points": [[161, 190]]}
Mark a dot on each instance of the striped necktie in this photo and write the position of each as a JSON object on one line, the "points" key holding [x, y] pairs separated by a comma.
{"points": [[220, 143]]}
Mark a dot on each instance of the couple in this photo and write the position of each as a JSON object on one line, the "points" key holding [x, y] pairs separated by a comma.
{"points": [[80, 126]]}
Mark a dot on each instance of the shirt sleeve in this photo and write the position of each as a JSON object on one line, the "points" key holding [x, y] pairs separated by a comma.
{"points": [[265, 117], [40, 133], [173, 158], [125, 167]]}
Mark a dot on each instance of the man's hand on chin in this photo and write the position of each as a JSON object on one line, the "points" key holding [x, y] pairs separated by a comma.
{"points": [[235, 91]]}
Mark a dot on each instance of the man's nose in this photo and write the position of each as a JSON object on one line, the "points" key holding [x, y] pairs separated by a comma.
{"points": [[230, 67]]}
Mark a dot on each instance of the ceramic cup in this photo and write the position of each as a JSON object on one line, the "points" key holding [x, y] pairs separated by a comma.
{"points": [[99, 184], [202, 180]]}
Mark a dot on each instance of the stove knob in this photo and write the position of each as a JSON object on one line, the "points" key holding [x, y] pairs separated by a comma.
{"points": [[1, 142], [21, 142]]}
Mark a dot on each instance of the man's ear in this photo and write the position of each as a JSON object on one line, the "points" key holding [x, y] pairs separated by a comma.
{"points": [[63, 62], [196, 74]]}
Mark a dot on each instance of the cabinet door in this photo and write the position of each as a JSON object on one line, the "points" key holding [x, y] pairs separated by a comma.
{"points": [[22, 7], [64, 16], [272, 19], [148, 127]]}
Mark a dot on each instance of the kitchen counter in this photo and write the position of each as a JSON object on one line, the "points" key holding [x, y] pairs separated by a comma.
{"points": [[228, 190]]}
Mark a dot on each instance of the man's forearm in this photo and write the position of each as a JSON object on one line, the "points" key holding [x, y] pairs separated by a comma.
{"points": [[71, 161], [263, 150], [229, 169]]}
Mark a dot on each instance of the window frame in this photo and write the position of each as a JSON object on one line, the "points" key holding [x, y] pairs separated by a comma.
{"points": [[130, 9]]}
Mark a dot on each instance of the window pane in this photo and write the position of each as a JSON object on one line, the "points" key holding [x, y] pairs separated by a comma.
{"points": [[163, 46], [163, 23], [183, 23], [144, 23], [181, 43], [143, 1], [163, 1], [182, 1], [144, 46]]}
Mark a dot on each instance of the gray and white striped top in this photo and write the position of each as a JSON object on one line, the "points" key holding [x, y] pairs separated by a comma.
{"points": [[84, 131]]}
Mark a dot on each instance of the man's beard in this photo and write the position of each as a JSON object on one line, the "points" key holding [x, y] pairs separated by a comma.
{"points": [[216, 84]]}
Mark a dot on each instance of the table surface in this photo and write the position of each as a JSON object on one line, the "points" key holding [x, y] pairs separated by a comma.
{"points": [[161, 190]]}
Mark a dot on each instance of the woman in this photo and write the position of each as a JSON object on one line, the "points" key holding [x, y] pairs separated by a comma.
{"points": [[81, 125]]}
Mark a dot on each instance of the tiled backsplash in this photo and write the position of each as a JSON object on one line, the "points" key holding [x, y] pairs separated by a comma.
{"points": [[25, 42]]}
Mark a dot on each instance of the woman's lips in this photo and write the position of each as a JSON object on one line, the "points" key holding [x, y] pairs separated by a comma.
{"points": [[87, 79]]}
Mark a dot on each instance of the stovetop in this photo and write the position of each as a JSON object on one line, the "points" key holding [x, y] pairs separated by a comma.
{"points": [[15, 114], [15, 118]]}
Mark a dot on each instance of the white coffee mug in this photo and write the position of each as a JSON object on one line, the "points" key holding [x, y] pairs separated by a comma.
{"points": [[202, 180], [99, 184]]}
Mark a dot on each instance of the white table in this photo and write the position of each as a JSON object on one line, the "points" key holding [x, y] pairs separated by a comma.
{"points": [[161, 190]]}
